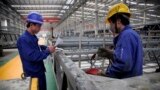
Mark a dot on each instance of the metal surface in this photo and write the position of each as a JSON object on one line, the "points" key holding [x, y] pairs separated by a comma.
{"points": [[78, 80], [90, 43], [1, 51], [145, 82], [8, 39], [96, 18], [15, 84], [11, 25], [75, 76]]}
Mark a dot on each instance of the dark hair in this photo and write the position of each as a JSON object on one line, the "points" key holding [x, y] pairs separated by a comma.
{"points": [[29, 24], [124, 17]]}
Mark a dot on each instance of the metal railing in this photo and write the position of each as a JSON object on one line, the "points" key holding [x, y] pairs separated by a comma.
{"points": [[69, 76]]}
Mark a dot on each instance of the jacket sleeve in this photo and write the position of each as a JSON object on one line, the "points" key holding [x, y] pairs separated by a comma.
{"points": [[32, 53], [122, 58], [43, 47]]}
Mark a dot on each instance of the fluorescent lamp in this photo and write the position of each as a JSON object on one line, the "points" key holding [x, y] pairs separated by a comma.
{"points": [[92, 3], [65, 7], [133, 9], [153, 15], [69, 1], [151, 10], [150, 4], [63, 11], [38, 10], [36, 6], [143, 4], [43, 14], [79, 12], [90, 9], [134, 3], [137, 13]]}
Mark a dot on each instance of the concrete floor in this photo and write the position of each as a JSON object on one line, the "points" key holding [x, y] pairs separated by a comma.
{"points": [[11, 70]]}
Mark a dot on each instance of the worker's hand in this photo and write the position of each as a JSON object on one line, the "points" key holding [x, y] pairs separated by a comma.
{"points": [[99, 72], [93, 56], [102, 52], [51, 49]]}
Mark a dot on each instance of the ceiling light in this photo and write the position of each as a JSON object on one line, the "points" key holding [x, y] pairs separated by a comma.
{"points": [[65, 7], [42, 14], [150, 4], [103, 11], [69, 1], [79, 12], [60, 14], [49, 16], [153, 15], [62, 11], [133, 3], [143, 4], [36, 6], [92, 3], [137, 13], [90, 9], [38, 10], [151, 10], [133, 9], [134, 19], [143, 18]]}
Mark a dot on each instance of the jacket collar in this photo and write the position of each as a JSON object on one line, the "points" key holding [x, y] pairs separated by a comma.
{"points": [[125, 28], [34, 37]]}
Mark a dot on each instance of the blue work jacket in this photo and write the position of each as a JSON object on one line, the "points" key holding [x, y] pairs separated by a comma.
{"points": [[128, 55], [31, 54]]}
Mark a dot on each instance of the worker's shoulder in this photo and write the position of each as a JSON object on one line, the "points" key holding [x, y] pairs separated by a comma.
{"points": [[130, 33], [24, 37]]}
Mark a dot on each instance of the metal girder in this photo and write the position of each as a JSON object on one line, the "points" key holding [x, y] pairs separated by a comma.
{"points": [[92, 51], [2, 2], [74, 8], [8, 39], [8, 13], [77, 78], [81, 81], [1, 50], [8, 32], [147, 23]]}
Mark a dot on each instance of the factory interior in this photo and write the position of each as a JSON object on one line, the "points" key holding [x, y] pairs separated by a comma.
{"points": [[78, 29]]}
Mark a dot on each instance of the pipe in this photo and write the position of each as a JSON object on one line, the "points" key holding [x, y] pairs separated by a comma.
{"points": [[96, 18]]}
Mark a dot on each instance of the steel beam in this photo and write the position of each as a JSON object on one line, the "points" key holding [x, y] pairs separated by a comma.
{"points": [[77, 78], [76, 5], [96, 18]]}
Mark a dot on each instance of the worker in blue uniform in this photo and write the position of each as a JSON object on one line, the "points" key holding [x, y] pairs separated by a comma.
{"points": [[127, 56], [32, 55]]}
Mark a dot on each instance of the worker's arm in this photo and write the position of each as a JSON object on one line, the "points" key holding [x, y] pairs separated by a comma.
{"points": [[43, 47], [103, 52], [122, 58], [30, 52]]}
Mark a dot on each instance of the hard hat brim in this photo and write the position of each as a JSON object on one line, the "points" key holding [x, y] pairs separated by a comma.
{"points": [[34, 21]]}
